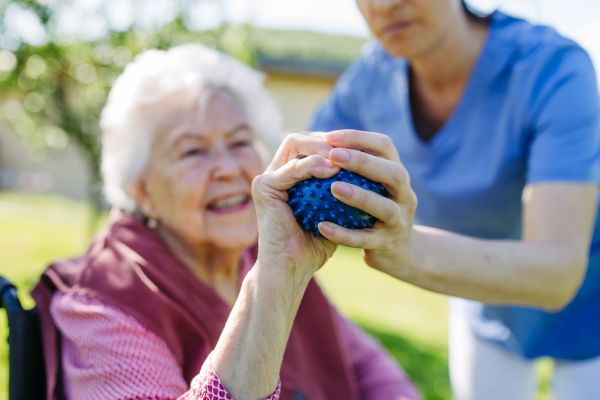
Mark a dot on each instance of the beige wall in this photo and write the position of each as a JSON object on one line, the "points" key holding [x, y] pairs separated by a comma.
{"points": [[62, 171], [298, 98]]}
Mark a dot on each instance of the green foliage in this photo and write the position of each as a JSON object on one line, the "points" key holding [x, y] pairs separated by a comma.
{"points": [[54, 92], [54, 89], [300, 45], [425, 363]]}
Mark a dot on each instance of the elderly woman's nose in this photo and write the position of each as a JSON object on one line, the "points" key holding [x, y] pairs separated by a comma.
{"points": [[226, 164], [382, 5]]}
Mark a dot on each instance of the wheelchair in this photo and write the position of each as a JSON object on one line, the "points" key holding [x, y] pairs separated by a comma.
{"points": [[27, 375]]}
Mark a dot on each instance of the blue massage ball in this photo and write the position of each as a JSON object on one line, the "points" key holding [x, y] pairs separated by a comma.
{"points": [[312, 202]]}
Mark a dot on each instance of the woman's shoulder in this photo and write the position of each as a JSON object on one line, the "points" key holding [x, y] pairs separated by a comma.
{"points": [[103, 347], [530, 43], [79, 314], [539, 62], [98, 329]]}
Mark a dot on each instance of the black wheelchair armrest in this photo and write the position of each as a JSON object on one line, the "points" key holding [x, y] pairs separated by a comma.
{"points": [[27, 376], [8, 296]]}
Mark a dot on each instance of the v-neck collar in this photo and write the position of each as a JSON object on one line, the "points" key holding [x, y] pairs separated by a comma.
{"points": [[483, 71]]}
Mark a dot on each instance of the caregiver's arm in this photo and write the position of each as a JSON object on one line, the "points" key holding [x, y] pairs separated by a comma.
{"points": [[250, 351], [544, 269]]}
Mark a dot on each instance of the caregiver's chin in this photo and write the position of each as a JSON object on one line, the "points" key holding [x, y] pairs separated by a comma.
{"points": [[417, 28]]}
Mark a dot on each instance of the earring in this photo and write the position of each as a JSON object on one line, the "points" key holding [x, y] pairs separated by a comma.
{"points": [[151, 223]]}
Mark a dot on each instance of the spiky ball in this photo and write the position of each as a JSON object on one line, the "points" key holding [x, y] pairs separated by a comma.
{"points": [[312, 202]]}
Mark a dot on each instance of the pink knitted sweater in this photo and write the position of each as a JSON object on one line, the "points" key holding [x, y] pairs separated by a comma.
{"points": [[107, 354]]}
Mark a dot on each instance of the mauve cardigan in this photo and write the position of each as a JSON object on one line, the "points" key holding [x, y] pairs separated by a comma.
{"points": [[126, 263]]}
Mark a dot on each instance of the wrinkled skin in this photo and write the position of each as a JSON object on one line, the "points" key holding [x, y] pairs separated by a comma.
{"points": [[201, 154]]}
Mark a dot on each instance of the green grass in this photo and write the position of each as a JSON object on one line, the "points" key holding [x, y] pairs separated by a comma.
{"points": [[410, 322]]}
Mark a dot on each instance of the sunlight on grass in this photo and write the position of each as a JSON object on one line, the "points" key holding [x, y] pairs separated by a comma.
{"points": [[410, 322], [34, 231], [379, 300]]}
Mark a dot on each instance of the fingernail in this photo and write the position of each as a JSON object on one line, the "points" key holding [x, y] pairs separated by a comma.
{"points": [[342, 189], [339, 155], [328, 163], [325, 228], [334, 136]]}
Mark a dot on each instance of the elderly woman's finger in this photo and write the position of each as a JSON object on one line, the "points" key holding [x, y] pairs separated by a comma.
{"points": [[371, 142], [299, 170], [390, 174], [378, 206], [358, 238], [300, 145]]}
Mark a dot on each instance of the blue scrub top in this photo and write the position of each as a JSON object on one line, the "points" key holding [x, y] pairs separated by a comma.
{"points": [[530, 113]]}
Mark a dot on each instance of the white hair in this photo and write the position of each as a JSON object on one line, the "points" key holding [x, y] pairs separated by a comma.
{"points": [[130, 118]]}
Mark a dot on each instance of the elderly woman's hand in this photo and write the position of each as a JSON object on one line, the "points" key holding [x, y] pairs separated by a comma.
{"points": [[250, 350], [388, 245], [282, 242], [301, 144]]}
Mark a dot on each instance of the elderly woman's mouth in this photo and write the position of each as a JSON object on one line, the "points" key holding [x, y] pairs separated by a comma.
{"points": [[230, 204]]}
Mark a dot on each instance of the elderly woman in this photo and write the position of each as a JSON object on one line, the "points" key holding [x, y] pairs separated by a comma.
{"points": [[173, 298]]}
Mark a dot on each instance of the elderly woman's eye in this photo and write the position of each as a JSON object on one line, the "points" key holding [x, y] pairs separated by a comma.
{"points": [[193, 151], [241, 143]]}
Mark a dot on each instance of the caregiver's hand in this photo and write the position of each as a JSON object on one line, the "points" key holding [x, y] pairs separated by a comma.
{"points": [[388, 246], [543, 269]]}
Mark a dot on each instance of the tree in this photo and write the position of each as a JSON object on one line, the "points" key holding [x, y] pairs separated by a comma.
{"points": [[54, 87]]}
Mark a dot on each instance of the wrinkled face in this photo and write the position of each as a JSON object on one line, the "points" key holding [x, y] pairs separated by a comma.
{"points": [[410, 28], [198, 181]]}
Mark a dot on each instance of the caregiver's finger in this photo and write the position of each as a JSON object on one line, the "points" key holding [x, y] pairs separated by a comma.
{"points": [[378, 206], [390, 174], [357, 238], [371, 142], [298, 170], [300, 145]]}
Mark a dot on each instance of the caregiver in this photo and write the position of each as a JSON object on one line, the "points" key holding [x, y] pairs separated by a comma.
{"points": [[497, 124]]}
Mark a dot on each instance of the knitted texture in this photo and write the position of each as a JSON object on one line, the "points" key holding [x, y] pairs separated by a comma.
{"points": [[109, 355], [207, 386], [312, 202]]}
